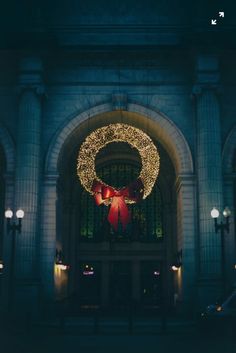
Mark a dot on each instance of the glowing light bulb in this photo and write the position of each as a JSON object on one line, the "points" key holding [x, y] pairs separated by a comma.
{"points": [[226, 212], [20, 214], [215, 213], [8, 213]]}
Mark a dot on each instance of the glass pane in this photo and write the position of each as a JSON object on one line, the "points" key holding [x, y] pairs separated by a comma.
{"points": [[146, 216]]}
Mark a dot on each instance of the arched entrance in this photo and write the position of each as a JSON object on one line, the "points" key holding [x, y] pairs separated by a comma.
{"points": [[134, 260], [110, 268]]}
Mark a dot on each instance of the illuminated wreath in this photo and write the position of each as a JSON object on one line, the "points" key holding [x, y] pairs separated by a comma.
{"points": [[105, 194]]}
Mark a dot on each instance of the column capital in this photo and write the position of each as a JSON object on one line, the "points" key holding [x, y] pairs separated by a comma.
{"points": [[199, 89], [30, 75], [207, 74], [37, 89]]}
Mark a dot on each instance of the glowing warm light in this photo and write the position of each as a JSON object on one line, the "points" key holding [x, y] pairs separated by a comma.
{"points": [[156, 273], [20, 214], [8, 213], [1, 265], [62, 267], [174, 268], [219, 308], [215, 213], [226, 212], [118, 133]]}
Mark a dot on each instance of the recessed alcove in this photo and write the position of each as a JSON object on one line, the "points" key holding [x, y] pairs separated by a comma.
{"points": [[82, 227]]}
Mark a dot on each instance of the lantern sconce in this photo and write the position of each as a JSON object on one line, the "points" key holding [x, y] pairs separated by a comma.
{"points": [[59, 261], [1, 267], [178, 262]]}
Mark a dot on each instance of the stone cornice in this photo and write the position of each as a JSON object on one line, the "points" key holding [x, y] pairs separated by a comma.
{"points": [[52, 36]]}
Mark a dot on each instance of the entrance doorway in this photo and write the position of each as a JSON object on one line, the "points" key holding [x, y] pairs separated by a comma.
{"points": [[86, 237], [89, 285], [120, 284], [151, 284]]}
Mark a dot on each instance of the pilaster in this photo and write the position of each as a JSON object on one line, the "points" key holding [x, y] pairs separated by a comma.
{"points": [[28, 163], [48, 235], [186, 239], [209, 169]]}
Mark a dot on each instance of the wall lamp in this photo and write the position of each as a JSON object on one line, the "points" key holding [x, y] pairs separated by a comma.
{"points": [[59, 261], [1, 267], [13, 226], [178, 261], [222, 225]]}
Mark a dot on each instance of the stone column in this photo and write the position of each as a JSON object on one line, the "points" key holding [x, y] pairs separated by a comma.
{"points": [[186, 240], [48, 236], [209, 169], [70, 244], [27, 176], [7, 244]]}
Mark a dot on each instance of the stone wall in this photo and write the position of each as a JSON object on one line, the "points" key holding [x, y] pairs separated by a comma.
{"points": [[80, 67]]}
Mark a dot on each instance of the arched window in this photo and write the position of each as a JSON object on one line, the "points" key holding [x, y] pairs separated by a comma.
{"points": [[146, 216]]}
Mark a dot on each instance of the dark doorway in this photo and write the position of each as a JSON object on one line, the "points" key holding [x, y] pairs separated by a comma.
{"points": [[120, 284], [151, 284], [89, 284]]}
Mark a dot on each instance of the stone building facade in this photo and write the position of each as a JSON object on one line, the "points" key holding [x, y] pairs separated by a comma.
{"points": [[66, 72]]}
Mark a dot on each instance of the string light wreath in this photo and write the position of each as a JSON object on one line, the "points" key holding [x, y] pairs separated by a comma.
{"points": [[106, 194]]}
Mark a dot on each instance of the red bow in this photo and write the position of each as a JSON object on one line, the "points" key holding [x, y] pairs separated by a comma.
{"points": [[118, 207]]}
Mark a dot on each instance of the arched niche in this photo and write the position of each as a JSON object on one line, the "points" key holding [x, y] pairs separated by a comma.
{"points": [[63, 149]]}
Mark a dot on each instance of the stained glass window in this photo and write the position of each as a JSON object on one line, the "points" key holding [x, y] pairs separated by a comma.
{"points": [[146, 224]]}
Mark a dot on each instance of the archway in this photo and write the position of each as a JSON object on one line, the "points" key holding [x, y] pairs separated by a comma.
{"points": [[179, 168], [166, 132], [148, 244]]}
